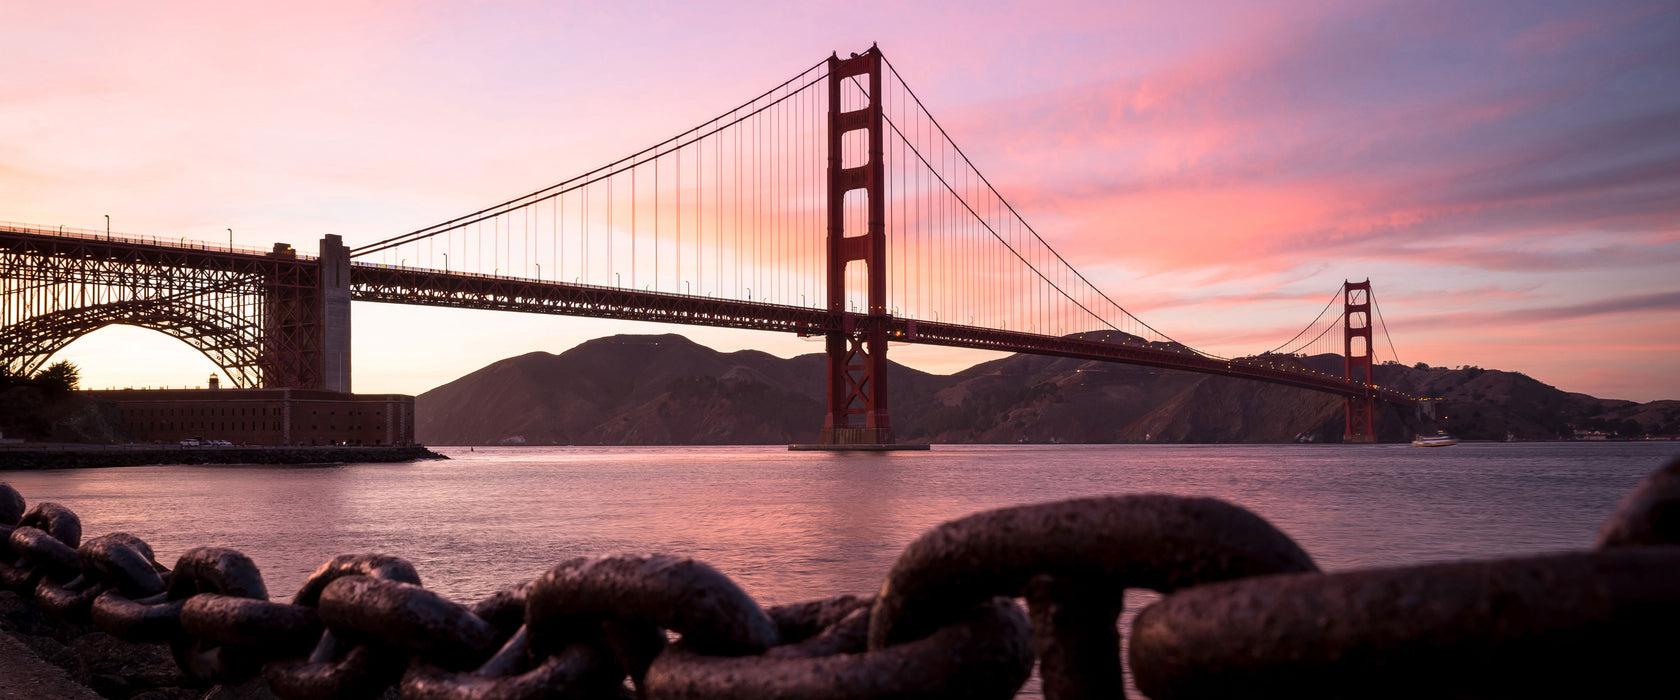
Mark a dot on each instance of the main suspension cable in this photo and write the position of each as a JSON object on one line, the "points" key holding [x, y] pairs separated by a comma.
{"points": [[1310, 325], [988, 184], [607, 170]]}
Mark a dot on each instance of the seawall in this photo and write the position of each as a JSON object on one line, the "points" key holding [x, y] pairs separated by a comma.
{"points": [[83, 456]]}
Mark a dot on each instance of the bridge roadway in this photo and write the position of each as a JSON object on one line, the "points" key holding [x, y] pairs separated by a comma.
{"points": [[400, 285]]}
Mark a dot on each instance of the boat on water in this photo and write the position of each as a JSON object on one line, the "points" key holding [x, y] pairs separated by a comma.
{"points": [[1439, 440]]}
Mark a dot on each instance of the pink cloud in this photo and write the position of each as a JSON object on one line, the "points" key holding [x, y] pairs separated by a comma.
{"points": [[1229, 163], [1564, 33]]}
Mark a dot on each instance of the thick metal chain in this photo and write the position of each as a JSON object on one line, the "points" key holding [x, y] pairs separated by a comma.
{"points": [[1246, 613]]}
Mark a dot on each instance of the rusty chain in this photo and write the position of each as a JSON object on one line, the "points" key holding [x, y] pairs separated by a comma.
{"points": [[1245, 612]]}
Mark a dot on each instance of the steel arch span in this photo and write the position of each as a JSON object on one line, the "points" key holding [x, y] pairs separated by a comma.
{"points": [[223, 337], [256, 315]]}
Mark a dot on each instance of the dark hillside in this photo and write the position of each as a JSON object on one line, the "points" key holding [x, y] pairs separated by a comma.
{"points": [[665, 389]]}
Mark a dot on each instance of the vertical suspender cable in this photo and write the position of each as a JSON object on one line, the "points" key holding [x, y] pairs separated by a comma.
{"points": [[611, 205], [717, 213], [656, 223], [678, 280]]}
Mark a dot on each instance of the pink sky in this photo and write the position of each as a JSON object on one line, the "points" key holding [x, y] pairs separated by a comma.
{"points": [[1507, 174]]}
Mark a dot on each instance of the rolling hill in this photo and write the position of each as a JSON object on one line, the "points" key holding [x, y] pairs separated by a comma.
{"points": [[668, 390]]}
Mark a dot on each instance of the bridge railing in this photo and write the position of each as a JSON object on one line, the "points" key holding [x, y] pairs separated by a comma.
{"points": [[181, 242]]}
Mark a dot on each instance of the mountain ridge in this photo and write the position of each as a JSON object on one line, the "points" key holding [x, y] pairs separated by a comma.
{"points": [[668, 390]]}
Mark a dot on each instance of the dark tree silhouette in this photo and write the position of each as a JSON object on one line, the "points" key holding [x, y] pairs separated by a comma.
{"points": [[60, 376]]}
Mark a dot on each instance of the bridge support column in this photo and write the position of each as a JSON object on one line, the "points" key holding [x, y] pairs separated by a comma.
{"points": [[1356, 326], [291, 313], [857, 353], [335, 314]]}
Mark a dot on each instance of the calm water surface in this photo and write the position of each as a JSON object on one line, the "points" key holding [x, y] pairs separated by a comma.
{"points": [[794, 526]]}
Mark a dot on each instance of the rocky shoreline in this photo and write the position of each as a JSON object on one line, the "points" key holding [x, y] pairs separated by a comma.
{"points": [[86, 456], [91, 659], [44, 657]]}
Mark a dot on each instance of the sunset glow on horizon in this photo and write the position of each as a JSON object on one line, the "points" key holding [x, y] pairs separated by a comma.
{"points": [[1506, 174]]}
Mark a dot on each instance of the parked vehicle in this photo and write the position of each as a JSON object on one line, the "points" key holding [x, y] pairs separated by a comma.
{"points": [[191, 442]]}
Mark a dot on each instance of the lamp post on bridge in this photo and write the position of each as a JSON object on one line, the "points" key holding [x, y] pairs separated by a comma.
{"points": [[230, 240], [107, 227], [445, 262]]}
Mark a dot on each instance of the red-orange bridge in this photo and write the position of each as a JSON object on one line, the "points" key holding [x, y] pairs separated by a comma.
{"points": [[833, 205]]}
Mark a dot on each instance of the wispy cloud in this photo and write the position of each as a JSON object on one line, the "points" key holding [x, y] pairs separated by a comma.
{"points": [[1358, 132], [1658, 303]]}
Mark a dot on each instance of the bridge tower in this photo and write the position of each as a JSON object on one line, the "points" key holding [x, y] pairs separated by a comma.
{"points": [[857, 352], [1356, 324]]}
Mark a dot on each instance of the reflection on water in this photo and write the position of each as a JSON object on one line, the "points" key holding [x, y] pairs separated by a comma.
{"points": [[793, 526], [790, 526]]}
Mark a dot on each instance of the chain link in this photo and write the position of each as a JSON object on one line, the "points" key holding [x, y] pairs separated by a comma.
{"points": [[222, 572], [1073, 561], [341, 663], [1510, 627], [1245, 613], [123, 562], [40, 543], [1649, 514]]}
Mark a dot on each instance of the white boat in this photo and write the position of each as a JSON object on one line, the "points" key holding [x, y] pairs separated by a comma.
{"points": [[1441, 440]]}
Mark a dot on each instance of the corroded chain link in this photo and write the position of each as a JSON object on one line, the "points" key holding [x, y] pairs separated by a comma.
{"points": [[1245, 613]]}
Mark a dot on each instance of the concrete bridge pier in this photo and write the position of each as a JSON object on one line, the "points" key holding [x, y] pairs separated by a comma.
{"points": [[335, 314]]}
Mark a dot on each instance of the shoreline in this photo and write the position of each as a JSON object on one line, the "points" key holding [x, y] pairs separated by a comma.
{"points": [[46, 457]]}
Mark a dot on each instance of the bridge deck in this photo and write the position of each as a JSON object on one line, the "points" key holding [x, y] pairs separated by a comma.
{"points": [[396, 285]]}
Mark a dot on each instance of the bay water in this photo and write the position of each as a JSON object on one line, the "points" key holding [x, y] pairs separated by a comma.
{"points": [[792, 526]]}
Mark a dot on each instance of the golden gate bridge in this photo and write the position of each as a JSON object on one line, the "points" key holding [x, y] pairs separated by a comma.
{"points": [[833, 205]]}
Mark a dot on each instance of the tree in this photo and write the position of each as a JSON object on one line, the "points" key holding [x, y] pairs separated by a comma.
{"points": [[59, 376]]}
